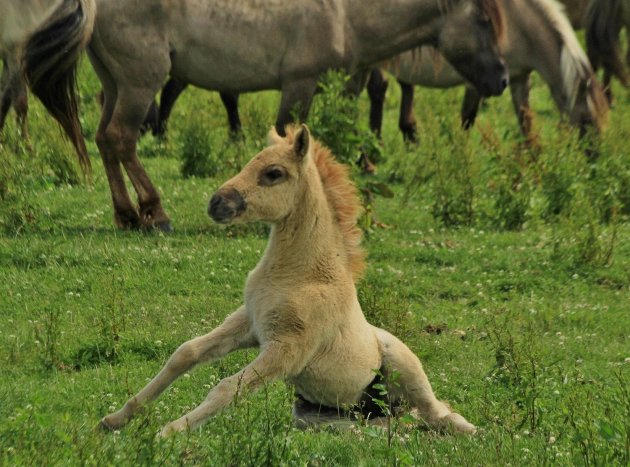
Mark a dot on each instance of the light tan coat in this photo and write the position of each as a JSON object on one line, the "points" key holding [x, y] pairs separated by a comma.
{"points": [[301, 307]]}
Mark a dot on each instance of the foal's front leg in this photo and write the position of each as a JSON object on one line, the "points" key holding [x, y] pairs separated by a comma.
{"points": [[234, 333], [276, 360]]}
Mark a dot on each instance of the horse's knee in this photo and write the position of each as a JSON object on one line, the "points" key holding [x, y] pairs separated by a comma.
{"points": [[184, 357], [113, 141], [377, 85]]}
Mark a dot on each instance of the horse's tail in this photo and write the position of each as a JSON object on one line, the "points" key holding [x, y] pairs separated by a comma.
{"points": [[603, 25], [50, 66]]}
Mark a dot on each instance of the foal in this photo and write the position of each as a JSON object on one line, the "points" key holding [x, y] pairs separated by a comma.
{"points": [[301, 306]]}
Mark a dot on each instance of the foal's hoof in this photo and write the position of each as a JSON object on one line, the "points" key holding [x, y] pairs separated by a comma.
{"points": [[457, 424], [104, 425]]}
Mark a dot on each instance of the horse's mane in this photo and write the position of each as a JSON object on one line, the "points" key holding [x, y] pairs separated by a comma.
{"points": [[494, 10], [603, 22], [342, 196], [577, 73]]}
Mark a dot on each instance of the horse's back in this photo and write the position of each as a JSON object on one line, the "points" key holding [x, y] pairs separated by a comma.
{"points": [[225, 45]]}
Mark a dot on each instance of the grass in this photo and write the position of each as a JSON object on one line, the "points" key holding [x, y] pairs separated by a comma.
{"points": [[515, 295]]}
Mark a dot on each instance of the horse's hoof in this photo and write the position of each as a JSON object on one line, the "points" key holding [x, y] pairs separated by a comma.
{"points": [[127, 220], [164, 227]]}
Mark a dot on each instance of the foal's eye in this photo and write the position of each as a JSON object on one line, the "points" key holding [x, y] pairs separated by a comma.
{"points": [[272, 175]]}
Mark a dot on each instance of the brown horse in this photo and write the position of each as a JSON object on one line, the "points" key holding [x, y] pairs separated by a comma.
{"points": [[300, 303], [539, 38], [232, 46]]}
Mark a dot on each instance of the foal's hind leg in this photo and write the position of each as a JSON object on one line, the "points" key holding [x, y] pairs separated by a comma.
{"points": [[413, 385], [233, 334]]}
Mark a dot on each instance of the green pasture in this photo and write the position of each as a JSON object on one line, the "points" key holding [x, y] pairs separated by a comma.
{"points": [[506, 270]]}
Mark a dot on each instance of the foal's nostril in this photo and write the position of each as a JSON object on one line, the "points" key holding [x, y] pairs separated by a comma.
{"points": [[504, 83], [214, 204], [225, 204]]}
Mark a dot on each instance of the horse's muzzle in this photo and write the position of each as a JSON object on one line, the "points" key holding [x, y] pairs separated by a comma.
{"points": [[225, 205], [497, 79]]}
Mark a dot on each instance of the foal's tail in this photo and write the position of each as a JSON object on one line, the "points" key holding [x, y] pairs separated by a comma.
{"points": [[50, 66], [603, 27]]}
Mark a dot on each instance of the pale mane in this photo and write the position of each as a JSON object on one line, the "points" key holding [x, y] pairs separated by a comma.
{"points": [[343, 199], [574, 64], [577, 73]]}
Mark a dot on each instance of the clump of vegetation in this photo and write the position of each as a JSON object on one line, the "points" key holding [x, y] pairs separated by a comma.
{"points": [[335, 120]]}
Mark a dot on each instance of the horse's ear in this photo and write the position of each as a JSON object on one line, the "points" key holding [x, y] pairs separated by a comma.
{"points": [[301, 142]]}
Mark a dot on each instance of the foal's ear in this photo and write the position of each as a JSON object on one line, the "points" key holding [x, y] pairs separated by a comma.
{"points": [[301, 142]]}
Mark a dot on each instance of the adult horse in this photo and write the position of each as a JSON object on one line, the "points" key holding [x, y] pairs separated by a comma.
{"points": [[300, 302], [43, 39], [238, 46], [538, 37]]}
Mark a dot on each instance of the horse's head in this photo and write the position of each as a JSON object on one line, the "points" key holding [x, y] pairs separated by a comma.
{"points": [[589, 110], [268, 186], [469, 39]]}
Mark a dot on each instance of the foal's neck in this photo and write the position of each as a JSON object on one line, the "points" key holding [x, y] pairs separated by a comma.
{"points": [[306, 241]]}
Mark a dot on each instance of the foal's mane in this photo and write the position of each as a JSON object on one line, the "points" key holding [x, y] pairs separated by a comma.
{"points": [[342, 196], [575, 67]]}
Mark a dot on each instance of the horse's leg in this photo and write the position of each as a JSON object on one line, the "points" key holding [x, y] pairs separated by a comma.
{"points": [[122, 136], [276, 359], [413, 385], [608, 86], [5, 93], [376, 89], [470, 107], [230, 102], [20, 104], [519, 89], [125, 213], [233, 334], [406, 118], [5, 105], [151, 120], [170, 92], [297, 96]]}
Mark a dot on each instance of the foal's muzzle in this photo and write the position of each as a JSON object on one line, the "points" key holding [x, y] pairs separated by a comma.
{"points": [[225, 205]]}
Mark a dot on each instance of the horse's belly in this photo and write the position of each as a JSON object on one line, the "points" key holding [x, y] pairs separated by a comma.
{"points": [[339, 376], [213, 71]]}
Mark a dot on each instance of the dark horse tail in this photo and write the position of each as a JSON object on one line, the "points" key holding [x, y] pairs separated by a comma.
{"points": [[603, 26], [50, 66]]}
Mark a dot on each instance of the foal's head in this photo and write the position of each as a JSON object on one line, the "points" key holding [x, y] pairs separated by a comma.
{"points": [[268, 187], [469, 39]]}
